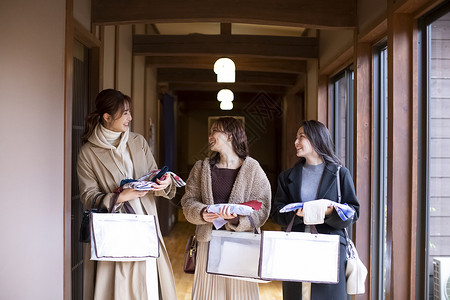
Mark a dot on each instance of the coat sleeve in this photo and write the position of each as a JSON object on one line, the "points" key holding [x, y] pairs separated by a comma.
{"points": [[88, 182], [283, 198], [349, 197], [170, 191], [191, 201], [260, 191]]}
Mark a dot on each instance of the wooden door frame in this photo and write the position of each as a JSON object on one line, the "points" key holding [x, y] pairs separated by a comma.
{"points": [[74, 30]]}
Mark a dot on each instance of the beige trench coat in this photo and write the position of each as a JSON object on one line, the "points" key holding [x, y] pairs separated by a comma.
{"points": [[97, 172]]}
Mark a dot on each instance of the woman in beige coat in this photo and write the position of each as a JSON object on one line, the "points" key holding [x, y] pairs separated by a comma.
{"points": [[230, 176], [110, 154]]}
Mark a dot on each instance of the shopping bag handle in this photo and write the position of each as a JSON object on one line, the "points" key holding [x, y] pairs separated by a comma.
{"points": [[289, 228], [253, 224]]}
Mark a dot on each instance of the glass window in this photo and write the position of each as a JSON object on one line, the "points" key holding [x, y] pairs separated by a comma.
{"points": [[436, 133], [342, 116]]}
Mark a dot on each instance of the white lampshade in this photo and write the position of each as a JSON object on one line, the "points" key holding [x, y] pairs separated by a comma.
{"points": [[226, 105], [225, 70], [225, 95], [226, 77], [224, 65]]}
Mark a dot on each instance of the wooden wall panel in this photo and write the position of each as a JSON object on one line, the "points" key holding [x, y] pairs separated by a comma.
{"points": [[362, 154], [400, 228], [322, 100]]}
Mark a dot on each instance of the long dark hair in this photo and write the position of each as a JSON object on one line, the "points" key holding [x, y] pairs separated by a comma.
{"points": [[320, 138], [108, 101], [233, 127]]}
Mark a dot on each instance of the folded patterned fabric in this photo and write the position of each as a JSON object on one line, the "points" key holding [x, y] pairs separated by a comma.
{"points": [[344, 211], [314, 211], [242, 209], [145, 184]]}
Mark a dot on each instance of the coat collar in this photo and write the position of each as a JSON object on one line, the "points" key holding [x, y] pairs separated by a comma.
{"points": [[295, 180]]}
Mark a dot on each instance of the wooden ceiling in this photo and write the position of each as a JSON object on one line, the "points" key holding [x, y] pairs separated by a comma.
{"points": [[269, 40]]}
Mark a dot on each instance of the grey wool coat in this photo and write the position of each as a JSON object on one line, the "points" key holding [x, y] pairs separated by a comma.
{"points": [[251, 184], [97, 173]]}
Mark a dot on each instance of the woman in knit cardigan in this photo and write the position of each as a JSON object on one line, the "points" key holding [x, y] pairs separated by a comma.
{"points": [[229, 176], [111, 153]]}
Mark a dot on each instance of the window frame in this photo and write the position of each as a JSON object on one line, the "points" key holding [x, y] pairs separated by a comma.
{"points": [[348, 75], [379, 148]]}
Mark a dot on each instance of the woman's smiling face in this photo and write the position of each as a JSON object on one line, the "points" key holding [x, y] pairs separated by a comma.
{"points": [[218, 139], [119, 123], [302, 145]]}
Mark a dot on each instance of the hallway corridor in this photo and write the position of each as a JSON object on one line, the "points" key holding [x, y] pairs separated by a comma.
{"points": [[176, 243]]}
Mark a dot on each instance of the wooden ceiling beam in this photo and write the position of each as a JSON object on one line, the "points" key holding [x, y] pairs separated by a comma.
{"points": [[242, 63], [247, 45], [242, 77], [321, 14], [236, 88]]}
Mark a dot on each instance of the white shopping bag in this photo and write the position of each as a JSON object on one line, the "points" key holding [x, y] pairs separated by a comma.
{"points": [[299, 256], [123, 237], [234, 254]]}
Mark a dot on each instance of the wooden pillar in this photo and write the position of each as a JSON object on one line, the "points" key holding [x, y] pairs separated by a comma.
{"points": [[362, 162], [68, 102], [311, 89], [400, 226], [322, 99], [294, 113]]}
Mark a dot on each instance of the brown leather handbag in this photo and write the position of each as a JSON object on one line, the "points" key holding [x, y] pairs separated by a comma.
{"points": [[190, 255]]}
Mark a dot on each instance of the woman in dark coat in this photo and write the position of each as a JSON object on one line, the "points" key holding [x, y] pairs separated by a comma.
{"points": [[314, 177]]}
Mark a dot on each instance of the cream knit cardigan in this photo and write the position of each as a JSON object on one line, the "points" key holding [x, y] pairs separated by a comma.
{"points": [[251, 184]]}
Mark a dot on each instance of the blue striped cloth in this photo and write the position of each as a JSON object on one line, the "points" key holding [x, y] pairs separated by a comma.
{"points": [[344, 211]]}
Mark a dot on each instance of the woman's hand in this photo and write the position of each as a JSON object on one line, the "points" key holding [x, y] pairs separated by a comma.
{"points": [[130, 194], [329, 210], [209, 217], [163, 183], [299, 212], [225, 213]]}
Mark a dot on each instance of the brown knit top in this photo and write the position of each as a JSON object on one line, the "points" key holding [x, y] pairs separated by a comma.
{"points": [[222, 181]]}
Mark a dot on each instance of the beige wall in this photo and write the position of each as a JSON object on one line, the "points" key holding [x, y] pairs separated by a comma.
{"points": [[109, 60], [151, 109], [124, 59], [82, 13], [32, 155], [138, 89]]}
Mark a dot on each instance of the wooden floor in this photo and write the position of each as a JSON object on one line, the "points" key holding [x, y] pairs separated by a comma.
{"points": [[176, 243]]}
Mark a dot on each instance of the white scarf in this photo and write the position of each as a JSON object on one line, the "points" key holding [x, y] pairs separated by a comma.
{"points": [[117, 143]]}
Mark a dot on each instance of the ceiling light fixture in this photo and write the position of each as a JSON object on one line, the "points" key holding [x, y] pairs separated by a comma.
{"points": [[225, 95], [226, 105], [225, 70]]}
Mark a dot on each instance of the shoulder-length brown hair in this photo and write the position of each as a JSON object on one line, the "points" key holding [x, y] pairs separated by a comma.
{"points": [[108, 101], [235, 129]]}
